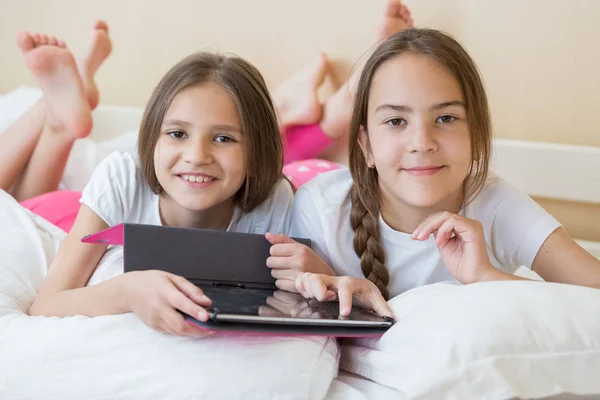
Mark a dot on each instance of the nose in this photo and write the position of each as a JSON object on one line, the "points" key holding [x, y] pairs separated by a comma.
{"points": [[422, 138], [198, 152]]}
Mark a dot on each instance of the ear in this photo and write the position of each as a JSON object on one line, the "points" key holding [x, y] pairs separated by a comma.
{"points": [[365, 146]]}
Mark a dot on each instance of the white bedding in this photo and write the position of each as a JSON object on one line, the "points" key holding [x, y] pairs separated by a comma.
{"points": [[118, 356]]}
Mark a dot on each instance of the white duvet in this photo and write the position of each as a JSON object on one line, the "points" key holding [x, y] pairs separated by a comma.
{"points": [[119, 357]]}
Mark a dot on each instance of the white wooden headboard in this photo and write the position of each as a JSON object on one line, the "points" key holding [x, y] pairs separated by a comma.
{"points": [[552, 171]]}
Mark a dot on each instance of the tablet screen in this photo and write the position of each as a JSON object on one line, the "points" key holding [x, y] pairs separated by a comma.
{"points": [[278, 304]]}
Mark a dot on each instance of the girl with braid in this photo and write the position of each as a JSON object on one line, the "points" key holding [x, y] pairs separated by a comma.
{"points": [[418, 204]]}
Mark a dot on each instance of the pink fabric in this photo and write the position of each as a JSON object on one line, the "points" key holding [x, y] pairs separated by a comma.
{"points": [[60, 207], [300, 172], [303, 142]]}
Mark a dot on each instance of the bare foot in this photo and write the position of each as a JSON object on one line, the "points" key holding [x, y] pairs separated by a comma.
{"points": [[296, 99], [396, 18], [337, 111], [54, 68], [99, 50]]}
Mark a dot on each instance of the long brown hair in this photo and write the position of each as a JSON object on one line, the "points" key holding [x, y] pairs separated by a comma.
{"points": [[364, 193], [245, 84]]}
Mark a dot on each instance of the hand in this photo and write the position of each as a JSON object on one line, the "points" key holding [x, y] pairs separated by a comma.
{"points": [[289, 258], [344, 288], [461, 243], [157, 296]]}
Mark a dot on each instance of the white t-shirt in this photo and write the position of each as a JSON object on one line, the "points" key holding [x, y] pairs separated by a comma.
{"points": [[119, 193], [515, 228]]}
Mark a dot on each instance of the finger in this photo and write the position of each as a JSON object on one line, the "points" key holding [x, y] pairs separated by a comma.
{"points": [[190, 290], [308, 290], [289, 274], [62, 44], [378, 304], [173, 321], [44, 39], [52, 41], [285, 249], [181, 302], [282, 262], [434, 224], [345, 298], [319, 289], [299, 284], [277, 238], [444, 233], [287, 285], [416, 232]]}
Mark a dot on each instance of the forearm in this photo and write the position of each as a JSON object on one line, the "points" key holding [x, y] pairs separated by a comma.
{"points": [[106, 298], [494, 274]]}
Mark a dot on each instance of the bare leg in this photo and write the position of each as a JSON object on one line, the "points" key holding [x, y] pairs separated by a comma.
{"points": [[69, 97], [18, 142], [296, 99], [337, 110]]}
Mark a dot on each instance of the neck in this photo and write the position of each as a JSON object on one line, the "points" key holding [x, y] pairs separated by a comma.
{"points": [[215, 218], [404, 217]]}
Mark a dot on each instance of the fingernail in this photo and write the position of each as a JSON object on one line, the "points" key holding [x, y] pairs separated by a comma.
{"points": [[202, 316], [204, 298]]}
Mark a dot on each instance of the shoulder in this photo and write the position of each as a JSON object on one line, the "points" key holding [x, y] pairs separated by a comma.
{"points": [[497, 195], [119, 166], [327, 192], [114, 187], [273, 215]]}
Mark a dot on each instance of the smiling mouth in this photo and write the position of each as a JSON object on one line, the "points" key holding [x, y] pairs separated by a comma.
{"points": [[197, 178]]}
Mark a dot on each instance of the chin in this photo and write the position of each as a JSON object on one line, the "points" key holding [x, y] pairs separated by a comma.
{"points": [[194, 204], [423, 200]]}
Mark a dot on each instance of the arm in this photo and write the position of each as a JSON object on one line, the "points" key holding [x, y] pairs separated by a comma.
{"points": [[155, 296], [63, 292], [561, 259]]}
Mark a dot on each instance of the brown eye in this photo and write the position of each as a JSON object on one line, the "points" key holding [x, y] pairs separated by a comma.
{"points": [[177, 134], [395, 121], [445, 119], [224, 139]]}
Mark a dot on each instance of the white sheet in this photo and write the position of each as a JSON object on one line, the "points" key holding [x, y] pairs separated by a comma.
{"points": [[118, 356]]}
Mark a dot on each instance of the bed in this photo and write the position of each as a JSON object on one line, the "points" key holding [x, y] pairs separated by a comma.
{"points": [[550, 349]]}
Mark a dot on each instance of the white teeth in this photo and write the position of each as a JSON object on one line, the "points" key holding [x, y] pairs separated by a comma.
{"points": [[196, 178]]}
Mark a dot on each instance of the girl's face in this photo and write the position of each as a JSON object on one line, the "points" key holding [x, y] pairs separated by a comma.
{"points": [[417, 135], [199, 157]]}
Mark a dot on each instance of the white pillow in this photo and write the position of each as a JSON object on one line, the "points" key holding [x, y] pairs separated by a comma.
{"points": [[494, 340], [118, 356]]}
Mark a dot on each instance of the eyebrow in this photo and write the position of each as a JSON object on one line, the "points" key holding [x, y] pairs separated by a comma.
{"points": [[435, 107], [179, 122]]}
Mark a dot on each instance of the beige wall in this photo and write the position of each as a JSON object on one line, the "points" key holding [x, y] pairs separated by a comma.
{"points": [[540, 58]]}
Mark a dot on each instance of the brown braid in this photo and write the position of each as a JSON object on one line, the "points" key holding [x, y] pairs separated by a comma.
{"points": [[365, 224]]}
